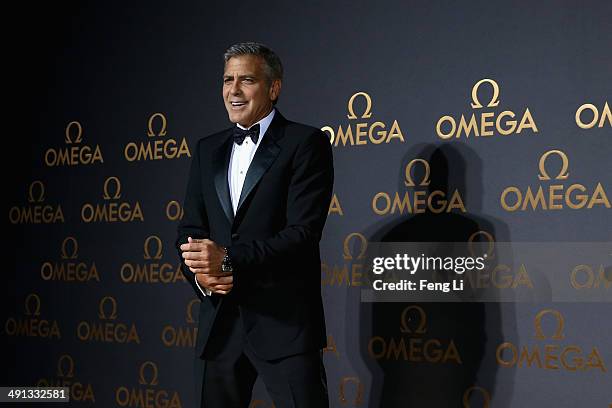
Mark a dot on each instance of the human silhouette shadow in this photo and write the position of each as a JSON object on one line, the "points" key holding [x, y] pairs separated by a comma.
{"points": [[456, 335]]}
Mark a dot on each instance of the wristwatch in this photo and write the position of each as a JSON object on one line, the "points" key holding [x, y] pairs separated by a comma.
{"points": [[226, 265]]}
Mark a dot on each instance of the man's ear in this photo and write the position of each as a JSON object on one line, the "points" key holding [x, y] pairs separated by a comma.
{"points": [[275, 89]]}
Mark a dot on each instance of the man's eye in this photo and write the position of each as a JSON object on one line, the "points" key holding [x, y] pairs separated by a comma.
{"points": [[248, 80], [227, 81]]}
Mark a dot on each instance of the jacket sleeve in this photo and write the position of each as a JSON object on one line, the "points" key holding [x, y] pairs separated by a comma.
{"points": [[308, 198], [195, 220]]}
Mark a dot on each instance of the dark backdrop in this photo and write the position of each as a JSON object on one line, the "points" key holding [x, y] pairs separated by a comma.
{"points": [[111, 66]]}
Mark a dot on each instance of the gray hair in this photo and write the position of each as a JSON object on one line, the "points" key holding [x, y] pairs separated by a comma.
{"points": [[273, 65]]}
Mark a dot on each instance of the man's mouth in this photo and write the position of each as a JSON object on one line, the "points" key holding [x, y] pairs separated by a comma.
{"points": [[238, 104]]}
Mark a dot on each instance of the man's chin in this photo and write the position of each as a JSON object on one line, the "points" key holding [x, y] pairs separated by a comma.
{"points": [[233, 118], [239, 120], [236, 117]]}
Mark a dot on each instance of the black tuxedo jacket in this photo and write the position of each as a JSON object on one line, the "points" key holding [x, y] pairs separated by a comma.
{"points": [[273, 240]]}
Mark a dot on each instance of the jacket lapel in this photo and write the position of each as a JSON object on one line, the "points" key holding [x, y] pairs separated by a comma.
{"points": [[265, 155], [220, 168]]}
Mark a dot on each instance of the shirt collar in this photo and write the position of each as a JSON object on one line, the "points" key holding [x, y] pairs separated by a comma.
{"points": [[263, 124]]}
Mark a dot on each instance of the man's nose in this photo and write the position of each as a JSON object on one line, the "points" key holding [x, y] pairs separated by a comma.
{"points": [[235, 89]]}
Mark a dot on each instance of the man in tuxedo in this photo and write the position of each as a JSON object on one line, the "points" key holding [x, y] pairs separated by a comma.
{"points": [[257, 199]]}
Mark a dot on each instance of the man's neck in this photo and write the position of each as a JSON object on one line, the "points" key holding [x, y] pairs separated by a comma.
{"points": [[240, 125]]}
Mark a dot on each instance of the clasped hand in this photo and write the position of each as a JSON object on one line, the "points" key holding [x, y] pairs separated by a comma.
{"points": [[204, 258]]}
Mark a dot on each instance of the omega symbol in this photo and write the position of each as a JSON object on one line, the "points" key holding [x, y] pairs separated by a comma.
{"points": [[117, 195], [79, 133], [494, 99], [409, 182], [404, 319], [142, 380], [558, 334], [363, 246], [563, 174], [162, 131], [368, 110]]}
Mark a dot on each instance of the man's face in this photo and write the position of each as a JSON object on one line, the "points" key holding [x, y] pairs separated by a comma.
{"points": [[246, 93]]}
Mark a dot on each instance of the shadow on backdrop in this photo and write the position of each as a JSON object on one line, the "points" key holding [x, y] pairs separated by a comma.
{"points": [[430, 354]]}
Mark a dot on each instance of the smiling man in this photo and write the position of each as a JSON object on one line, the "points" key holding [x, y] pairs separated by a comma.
{"points": [[257, 199], [250, 88]]}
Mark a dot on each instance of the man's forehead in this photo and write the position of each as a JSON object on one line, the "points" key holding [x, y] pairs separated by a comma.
{"points": [[244, 64]]}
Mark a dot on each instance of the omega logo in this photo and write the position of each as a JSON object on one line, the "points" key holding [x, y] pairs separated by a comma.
{"points": [[79, 133], [486, 396], [69, 269], [162, 131], [489, 123], [570, 357], [363, 132], [158, 253], [41, 195], [60, 366], [75, 248], [142, 380], [412, 346], [74, 153], [418, 201], [347, 255], [117, 183], [157, 147], [422, 326], [102, 313], [113, 211], [553, 196], [28, 310], [472, 241], [408, 182]]}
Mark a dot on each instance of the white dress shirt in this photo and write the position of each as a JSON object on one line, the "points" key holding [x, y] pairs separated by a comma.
{"points": [[240, 160]]}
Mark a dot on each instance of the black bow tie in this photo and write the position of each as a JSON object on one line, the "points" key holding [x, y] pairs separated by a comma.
{"points": [[240, 134]]}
